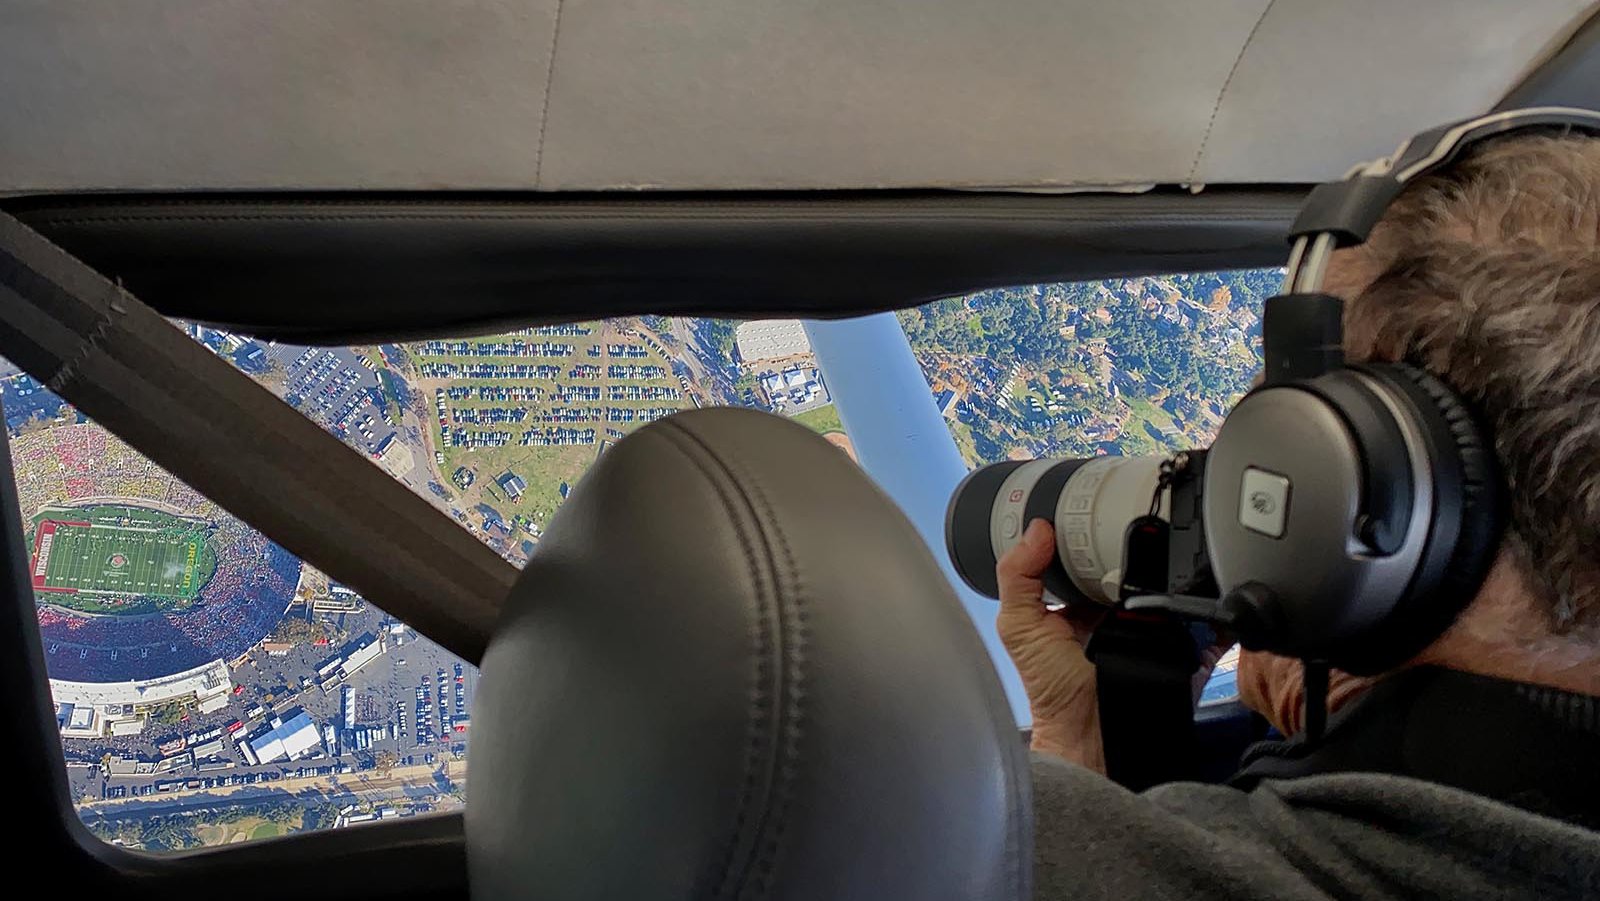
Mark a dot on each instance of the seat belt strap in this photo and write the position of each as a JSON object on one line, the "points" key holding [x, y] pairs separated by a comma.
{"points": [[169, 398], [1144, 664]]}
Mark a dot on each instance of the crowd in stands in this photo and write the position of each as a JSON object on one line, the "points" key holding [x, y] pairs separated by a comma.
{"points": [[69, 463]]}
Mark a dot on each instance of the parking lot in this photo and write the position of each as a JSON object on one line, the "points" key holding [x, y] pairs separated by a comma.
{"points": [[335, 386], [413, 700], [24, 399]]}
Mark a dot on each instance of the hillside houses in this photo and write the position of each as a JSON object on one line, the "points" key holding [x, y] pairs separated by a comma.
{"points": [[1127, 366]]}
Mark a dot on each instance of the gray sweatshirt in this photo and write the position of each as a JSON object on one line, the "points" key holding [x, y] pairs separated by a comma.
{"points": [[1352, 819]]}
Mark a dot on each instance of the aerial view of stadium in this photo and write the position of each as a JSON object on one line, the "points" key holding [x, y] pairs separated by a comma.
{"points": [[136, 575], [120, 558]]}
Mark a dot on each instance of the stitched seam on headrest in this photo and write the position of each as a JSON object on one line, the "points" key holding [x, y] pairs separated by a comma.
{"points": [[759, 721], [792, 637]]}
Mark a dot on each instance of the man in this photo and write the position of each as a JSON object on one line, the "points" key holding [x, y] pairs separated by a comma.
{"points": [[1475, 769]]}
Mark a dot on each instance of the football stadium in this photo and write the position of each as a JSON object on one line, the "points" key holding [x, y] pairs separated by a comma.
{"points": [[136, 575], [120, 559]]}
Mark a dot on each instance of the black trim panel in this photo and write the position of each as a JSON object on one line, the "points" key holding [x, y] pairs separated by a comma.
{"points": [[1571, 77], [334, 269]]}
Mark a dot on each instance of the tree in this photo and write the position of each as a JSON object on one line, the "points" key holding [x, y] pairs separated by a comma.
{"points": [[294, 630], [718, 336], [276, 377], [168, 714], [384, 762], [319, 817], [38, 422], [745, 382]]}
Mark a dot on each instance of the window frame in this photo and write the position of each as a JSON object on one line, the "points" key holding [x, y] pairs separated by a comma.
{"points": [[1219, 230]]}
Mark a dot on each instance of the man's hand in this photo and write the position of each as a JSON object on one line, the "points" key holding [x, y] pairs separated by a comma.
{"points": [[1048, 651]]}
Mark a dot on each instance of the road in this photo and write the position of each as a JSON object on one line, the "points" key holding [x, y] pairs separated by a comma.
{"points": [[414, 783], [714, 381]]}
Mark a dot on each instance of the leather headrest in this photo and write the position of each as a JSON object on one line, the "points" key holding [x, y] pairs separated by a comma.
{"points": [[733, 669]]}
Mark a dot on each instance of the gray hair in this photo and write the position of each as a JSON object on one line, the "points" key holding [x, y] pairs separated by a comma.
{"points": [[1488, 275]]}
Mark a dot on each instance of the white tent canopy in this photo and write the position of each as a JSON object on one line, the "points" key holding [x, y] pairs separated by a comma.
{"points": [[568, 95]]}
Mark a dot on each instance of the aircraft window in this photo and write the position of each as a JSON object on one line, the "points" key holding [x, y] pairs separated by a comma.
{"points": [[1126, 366], [210, 688]]}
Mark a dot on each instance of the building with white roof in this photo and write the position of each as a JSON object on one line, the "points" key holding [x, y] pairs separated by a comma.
{"points": [[288, 739], [769, 339], [360, 657], [213, 703], [126, 726], [96, 709], [209, 749], [798, 385], [347, 706]]}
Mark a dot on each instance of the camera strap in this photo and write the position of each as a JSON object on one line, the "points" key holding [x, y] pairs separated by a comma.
{"points": [[1144, 666]]}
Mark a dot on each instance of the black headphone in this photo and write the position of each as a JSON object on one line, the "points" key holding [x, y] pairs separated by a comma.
{"points": [[1383, 462]]}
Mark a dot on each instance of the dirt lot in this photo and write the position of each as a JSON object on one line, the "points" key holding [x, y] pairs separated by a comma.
{"points": [[842, 442]]}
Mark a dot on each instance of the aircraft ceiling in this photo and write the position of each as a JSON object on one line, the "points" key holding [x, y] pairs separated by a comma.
{"points": [[141, 95]]}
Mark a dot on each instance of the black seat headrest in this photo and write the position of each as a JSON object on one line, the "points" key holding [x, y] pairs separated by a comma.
{"points": [[733, 670]]}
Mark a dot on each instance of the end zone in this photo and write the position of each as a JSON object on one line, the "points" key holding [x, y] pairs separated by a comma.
{"points": [[43, 539]]}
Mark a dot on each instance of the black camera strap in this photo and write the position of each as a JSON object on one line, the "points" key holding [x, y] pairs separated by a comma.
{"points": [[1144, 667]]}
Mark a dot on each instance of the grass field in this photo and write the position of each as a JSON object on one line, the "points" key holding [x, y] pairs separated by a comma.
{"points": [[822, 420], [962, 434], [120, 559], [247, 828], [265, 830], [1150, 429]]}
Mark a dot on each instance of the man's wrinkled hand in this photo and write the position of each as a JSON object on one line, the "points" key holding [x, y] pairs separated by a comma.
{"points": [[1047, 648]]}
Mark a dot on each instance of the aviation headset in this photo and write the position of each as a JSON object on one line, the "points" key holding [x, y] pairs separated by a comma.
{"points": [[1383, 463]]}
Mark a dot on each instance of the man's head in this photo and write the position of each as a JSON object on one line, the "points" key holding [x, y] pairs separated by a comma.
{"points": [[1487, 274]]}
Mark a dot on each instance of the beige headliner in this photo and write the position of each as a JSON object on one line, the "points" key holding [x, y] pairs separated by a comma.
{"points": [[738, 94]]}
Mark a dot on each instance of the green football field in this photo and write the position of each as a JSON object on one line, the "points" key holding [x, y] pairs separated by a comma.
{"points": [[94, 558]]}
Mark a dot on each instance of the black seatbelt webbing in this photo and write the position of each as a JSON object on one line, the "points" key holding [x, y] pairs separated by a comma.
{"points": [[1144, 665], [174, 401]]}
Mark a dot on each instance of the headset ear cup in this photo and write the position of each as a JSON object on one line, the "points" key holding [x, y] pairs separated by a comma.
{"points": [[1469, 484]]}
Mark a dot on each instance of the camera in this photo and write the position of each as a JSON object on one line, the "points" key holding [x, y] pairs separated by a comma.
{"points": [[1125, 527]]}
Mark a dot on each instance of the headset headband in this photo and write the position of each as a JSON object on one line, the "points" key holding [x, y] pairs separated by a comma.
{"points": [[1342, 213], [1303, 328]]}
